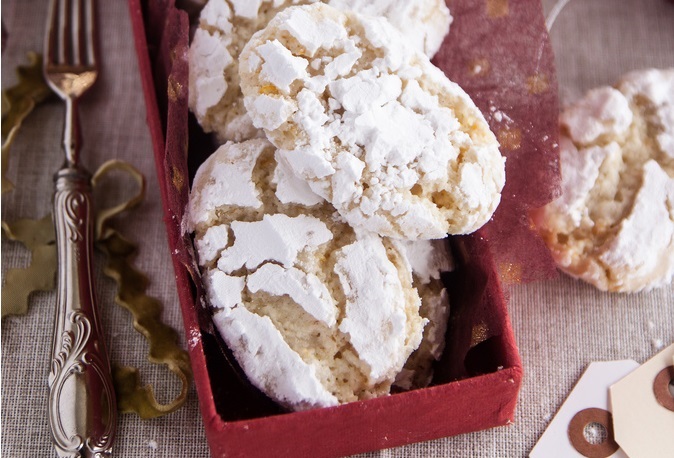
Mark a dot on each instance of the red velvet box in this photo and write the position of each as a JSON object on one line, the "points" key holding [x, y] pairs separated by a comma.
{"points": [[477, 381]]}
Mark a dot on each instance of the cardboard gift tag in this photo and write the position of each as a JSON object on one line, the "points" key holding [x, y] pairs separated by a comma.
{"points": [[583, 425], [643, 408]]}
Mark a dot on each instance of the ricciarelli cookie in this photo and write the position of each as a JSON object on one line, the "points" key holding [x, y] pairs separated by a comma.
{"points": [[613, 226], [371, 125], [226, 26], [295, 288]]}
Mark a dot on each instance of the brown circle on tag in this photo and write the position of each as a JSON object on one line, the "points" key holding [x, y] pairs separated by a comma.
{"points": [[661, 388], [577, 425]]}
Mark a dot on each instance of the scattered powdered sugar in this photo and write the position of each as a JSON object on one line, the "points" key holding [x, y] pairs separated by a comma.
{"points": [[193, 338], [657, 344], [152, 445], [500, 116]]}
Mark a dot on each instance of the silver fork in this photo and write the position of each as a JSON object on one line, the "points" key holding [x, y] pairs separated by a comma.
{"points": [[82, 407]]}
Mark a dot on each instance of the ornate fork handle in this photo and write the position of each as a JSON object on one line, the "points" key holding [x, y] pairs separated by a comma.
{"points": [[82, 406]]}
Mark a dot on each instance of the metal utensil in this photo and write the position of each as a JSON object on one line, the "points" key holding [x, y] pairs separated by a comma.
{"points": [[82, 406]]}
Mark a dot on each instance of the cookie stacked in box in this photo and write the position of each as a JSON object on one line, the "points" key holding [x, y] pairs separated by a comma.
{"points": [[320, 223]]}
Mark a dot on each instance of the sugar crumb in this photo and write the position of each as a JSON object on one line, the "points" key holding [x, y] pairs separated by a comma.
{"points": [[657, 344]]}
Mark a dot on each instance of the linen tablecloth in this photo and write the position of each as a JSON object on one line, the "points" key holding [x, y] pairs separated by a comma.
{"points": [[561, 325]]}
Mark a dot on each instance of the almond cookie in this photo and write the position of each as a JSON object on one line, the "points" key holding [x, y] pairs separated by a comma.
{"points": [[315, 313], [371, 125], [613, 226], [226, 26]]}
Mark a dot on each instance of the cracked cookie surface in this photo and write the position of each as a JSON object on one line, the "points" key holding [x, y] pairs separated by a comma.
{"points": [[613, 226], [226, 25], [293, 286], [371, 125]]}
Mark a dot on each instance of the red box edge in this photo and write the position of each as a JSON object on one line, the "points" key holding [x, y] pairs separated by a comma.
{"points": [[190, 320]]}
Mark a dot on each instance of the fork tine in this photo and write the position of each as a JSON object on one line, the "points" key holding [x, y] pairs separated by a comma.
{"points": [[90, 38], [51, 38], [64, 52], [76, 36], [71, 35]]}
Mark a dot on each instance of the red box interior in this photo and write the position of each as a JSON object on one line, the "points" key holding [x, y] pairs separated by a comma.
{"points": [[476, 382]]}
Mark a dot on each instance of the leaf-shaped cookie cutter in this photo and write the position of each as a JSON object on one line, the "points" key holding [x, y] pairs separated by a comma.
{"points": [[146, 310], [17, 103], [38, 236]]}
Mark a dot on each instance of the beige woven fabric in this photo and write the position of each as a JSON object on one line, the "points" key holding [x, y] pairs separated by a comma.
{"points": [[561, 325]]}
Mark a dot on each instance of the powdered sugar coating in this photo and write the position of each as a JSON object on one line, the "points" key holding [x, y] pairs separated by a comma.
{"points": [[428, 258], [381, 346], [278, 238], [211, 190], [304, 288], [214, 240], [374, 128], [650, 224], [225, 26], [602, 112], [291, 189], [657, 87], [613, 226], [224, 291], [269, 361], [423, 23], [293, 301]]}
